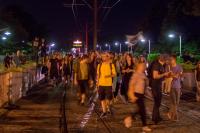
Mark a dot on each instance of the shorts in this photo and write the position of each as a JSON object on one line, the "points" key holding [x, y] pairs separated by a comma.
{"points": [[105, 93], [54, 75], [83, 85]]}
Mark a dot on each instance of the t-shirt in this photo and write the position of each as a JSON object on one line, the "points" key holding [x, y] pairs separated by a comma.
{"points": [[54, 64], [176, 82], [160, 68], [104, 71], [83, 73]]}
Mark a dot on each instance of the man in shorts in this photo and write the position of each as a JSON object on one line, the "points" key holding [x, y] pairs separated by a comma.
{"points": [[105, 73]]}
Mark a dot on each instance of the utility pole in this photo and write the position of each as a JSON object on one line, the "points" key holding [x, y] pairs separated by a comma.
{"points": [[95, 8], [95, 34], [86, 38]]}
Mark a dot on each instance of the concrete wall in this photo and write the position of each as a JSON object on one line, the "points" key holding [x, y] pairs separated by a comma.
{"points": [[189, 80], [2, 58], [16, 84]]}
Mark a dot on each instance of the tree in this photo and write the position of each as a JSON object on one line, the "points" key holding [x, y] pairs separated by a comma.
{"points": [[22, 25]]}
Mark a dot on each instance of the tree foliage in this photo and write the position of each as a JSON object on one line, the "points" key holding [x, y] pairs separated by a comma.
{"points": [[23, 27]]}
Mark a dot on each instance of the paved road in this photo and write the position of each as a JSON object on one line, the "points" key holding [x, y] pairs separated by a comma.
{"points": [[38, 113]]}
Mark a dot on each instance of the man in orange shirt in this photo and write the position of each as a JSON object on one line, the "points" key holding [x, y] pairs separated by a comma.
{"points": [[105, 73]]}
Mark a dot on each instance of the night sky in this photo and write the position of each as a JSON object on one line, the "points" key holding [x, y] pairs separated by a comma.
{"points": [[123, 18]]}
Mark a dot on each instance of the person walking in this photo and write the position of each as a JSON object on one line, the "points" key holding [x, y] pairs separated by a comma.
{"points": [[136, 91], [175, 93], [105, 73], [54, 69], [156, 75], [117, 86], [197, 79], [127, 72], [83, 77]]}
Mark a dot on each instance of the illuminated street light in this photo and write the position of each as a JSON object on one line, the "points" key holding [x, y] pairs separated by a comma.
{"points": [[171, 35], [53, 44], [126, 42], [3, 38], [98, 46], [143, 40], [7, 33], [120, 46], [180, 42], [107, 45], [149, 41]]}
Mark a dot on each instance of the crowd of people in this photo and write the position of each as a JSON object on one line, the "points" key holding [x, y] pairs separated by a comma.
{"points": [[114, 74], [14, 60]]}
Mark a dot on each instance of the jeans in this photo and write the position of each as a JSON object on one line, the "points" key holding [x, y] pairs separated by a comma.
{"points": [[157, 96], [175, 99]]}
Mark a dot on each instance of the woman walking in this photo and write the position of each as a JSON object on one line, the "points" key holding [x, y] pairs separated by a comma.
{"points": [[136, 91], [127, 72]]}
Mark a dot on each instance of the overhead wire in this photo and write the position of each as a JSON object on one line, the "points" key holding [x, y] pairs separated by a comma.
{"points": [[109, 10], [87, 4]]}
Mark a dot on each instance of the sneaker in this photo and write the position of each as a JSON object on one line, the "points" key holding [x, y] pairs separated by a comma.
{"points": [[109, 111], [128, 122], [103, 115], [146, 129], [169, 116]]}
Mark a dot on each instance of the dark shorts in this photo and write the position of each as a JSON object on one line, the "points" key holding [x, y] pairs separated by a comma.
{"points": [[54, 74], [83, 85], [105, 93]]}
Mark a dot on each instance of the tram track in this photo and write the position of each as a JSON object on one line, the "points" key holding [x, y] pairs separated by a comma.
{"points": [[185, 113]]}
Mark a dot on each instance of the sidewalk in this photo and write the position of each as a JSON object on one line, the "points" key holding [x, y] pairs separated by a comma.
{"points": [[38, 113]]}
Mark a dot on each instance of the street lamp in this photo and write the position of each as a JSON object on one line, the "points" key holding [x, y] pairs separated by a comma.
{"points": [[180, 42], [98, 46], [120, 46], [52, 45], [7, 33], [149, 42], [127, 43], [4, 38], [107, 45]]}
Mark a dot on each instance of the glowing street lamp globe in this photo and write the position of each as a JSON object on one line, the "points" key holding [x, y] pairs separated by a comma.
{"points": [[3, 38], [171, 35], [7, 33], [143, 40]]}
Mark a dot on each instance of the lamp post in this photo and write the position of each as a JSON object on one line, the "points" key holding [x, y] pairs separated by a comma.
{"points": [[149, 44], [180, 42], [120, 46], [7, 33], [98, 46], [127, 45], [108, 45]]}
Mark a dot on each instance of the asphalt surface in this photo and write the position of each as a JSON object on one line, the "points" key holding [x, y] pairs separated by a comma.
{"points": [[39, 112]]}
